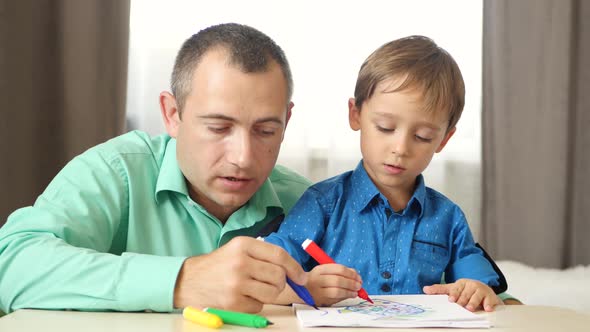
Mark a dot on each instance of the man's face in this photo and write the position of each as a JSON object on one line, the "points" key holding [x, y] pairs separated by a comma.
{"points": [[230, 132]]}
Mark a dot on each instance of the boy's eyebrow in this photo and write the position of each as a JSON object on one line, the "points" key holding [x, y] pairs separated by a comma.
{"points": [[216, 116], [420, 123]]}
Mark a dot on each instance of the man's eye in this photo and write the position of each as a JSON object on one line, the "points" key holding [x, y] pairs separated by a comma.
{"points": [[266, 132], [384, 130], [218, 130], [423, 139]]}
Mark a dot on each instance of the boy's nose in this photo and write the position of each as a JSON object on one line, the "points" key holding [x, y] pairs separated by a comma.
{"points": [[400, 145]]}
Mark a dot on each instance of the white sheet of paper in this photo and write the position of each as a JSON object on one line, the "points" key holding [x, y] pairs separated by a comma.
{"points": [[401, 311]]}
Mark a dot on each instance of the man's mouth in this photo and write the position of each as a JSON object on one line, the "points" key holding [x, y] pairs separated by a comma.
{"points": [[231, 178]]}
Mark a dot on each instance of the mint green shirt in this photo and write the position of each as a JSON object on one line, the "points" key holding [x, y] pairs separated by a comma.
{"points": [[113, 228]]}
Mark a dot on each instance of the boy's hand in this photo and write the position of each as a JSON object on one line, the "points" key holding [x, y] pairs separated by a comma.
{"points": [[331, 283], [468, 293]]}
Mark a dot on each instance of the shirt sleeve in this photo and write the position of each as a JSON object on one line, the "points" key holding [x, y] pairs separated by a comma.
{"points": [[304, 221], [467, 261], [57, 254]]}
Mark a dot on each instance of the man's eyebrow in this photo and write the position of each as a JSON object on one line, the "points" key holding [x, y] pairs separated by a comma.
{"points": [[270, 119], [216, 116]]}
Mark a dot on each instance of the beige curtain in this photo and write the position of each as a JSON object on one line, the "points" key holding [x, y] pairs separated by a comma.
{"points": [[63, 74], [536, 131]]}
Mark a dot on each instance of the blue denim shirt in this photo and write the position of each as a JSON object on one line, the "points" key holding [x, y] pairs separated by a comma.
{"points": [[394, 252]]}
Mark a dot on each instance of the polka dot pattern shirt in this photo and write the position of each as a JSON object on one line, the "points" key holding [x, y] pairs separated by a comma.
{"points": [[395, 253]]}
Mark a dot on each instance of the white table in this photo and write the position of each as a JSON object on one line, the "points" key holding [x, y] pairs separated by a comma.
{"points": [[512, 318]]}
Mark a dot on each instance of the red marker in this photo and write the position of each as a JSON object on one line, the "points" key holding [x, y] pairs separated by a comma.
{"points": [[321, 257]]}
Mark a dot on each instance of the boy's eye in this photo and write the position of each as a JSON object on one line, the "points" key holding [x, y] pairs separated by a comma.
{"points": [[384, 130], [423, 139]]}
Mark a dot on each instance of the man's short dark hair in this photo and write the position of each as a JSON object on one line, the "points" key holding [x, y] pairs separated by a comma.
{"points": [[248, 49]]}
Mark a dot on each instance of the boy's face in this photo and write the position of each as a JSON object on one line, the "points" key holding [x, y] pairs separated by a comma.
{"points": [[398, 137], [230, 131]]}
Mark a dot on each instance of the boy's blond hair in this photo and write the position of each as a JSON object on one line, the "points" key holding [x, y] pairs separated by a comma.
{"points": [[425, 66]]}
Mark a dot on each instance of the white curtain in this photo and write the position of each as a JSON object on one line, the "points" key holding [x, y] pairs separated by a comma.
{"points": [[325, 42]]}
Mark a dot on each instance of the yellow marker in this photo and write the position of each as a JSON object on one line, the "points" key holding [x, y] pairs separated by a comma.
{"points": [[201, 317]]}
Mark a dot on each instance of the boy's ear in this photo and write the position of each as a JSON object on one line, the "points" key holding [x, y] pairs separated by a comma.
{"points": [[446, 139], [354, 115], [170, 113]]}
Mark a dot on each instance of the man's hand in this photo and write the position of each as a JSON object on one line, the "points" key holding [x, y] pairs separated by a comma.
{"points": [[241, 275], [331, 283], [468, 293]]}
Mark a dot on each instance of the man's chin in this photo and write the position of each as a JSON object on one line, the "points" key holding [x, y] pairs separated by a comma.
{"points": [[234, 202]]}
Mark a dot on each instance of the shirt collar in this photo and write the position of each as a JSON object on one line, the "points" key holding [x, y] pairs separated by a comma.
{"points": [[364, 191], [256, 209], [170, 177]]}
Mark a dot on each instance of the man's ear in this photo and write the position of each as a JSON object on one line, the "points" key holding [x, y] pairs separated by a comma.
{"points": [[170, 113], [446, 139], [354, 115], [289, 112], [289, 108]]}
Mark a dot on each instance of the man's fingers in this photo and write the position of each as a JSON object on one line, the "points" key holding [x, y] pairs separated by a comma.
{"points": [[242, 303], [265, 272], [260, 292], [273, 254]]}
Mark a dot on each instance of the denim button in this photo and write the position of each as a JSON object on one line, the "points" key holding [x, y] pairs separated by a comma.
{"points": [[388, 212], [386, 274], [385, 288]]}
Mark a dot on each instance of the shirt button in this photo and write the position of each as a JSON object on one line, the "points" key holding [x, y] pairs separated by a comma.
{"points": [[386, 288], [386, 274], [388, 213]]}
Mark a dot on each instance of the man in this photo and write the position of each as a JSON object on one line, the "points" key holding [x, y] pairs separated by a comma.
{"points": [[154, 223]]}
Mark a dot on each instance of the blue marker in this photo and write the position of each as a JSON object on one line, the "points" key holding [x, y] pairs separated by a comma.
{"points": [[301, 291]]}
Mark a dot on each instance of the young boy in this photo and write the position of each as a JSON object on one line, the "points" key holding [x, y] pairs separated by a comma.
{"points": [[380, 220]]}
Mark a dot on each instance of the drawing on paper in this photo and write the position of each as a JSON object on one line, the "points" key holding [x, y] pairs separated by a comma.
{"points": [[384, 309], [393, 311]]}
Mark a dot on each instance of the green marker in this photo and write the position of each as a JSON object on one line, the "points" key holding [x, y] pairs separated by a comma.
{"points": [[239, 318]]}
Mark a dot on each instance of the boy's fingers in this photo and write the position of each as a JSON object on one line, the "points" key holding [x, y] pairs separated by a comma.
{"points": [[340, 270], [456, 291], [466, 294], [437, 289], [490, 302], [335, 281], [475, 301], [337, 293]]}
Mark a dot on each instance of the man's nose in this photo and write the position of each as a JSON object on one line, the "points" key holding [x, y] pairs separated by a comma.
{"points": [[241, 151]]}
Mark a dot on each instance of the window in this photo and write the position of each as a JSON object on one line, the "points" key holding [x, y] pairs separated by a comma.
{"points": [[325, 42]]}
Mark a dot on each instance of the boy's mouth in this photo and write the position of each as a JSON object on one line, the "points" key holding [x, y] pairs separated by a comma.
{"points": [[394, 169]]}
